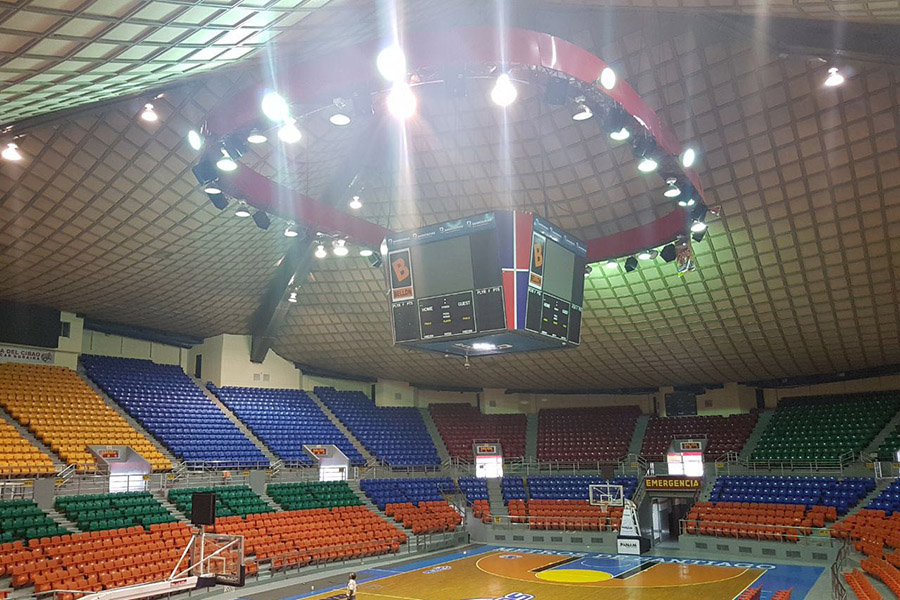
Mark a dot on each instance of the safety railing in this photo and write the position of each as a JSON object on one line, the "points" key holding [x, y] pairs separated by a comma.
{"points": [[16, 489], [809, 536], [838, 590], [733, 464], [564, 523]]}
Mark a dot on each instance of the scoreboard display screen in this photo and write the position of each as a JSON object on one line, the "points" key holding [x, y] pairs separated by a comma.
{"points": [[492, 283]]}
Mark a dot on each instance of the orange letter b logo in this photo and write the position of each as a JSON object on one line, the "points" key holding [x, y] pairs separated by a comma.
{"points": [[401, 271], [538, 256]]}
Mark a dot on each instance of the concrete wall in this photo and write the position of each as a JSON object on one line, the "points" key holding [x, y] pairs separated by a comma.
{"points": [[348, 385], [104, 344], [389, 392], [226, 362], [68, 348]]}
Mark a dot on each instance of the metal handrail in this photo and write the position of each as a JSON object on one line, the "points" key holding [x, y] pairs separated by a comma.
{"points": [[838, 590], [566, 522], [806, 535]]}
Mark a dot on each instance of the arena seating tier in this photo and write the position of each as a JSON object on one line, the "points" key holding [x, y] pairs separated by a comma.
{"points": [[24, 520], [751, 520], [573, 487], [810, 428], [18, 457], [237, 500], [396, 435], [94, 561], [394, 491], [296, 538], [585, 434], [513, 488], [174, 410], [313, 494], [888, 500], [887, 450], [97, 512], [475, 488], [62, 410], [425, 517], [461, 425], [724, 434], [842, 494], [566, 515], [285, 420]]}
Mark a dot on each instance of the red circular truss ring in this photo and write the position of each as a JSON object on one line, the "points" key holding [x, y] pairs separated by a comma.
{"points": [[349, 67]]}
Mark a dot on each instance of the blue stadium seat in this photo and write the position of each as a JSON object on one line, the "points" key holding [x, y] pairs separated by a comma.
{"points": [[842, 494], [175, 411], [474, 488], [573, 487], [393, 491]]}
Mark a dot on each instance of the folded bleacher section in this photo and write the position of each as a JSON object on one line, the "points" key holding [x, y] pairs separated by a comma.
{"points": [[285, 420], [62, 411], [723, 434], [393, 434], [235, 500], [18, 457], [312, 494], [417, 503], [810, 428], [97, 512], [461, 425], [175, 411], [572, 435], [24, 520]]}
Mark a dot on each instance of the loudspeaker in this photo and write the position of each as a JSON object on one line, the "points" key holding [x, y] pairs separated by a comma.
{"points": [[668, 253], [203, 508]]}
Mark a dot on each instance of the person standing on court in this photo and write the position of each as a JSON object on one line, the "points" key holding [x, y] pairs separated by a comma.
{"points": [[351, 587]]}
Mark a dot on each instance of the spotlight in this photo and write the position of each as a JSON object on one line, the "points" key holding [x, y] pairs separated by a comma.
{"points": [[557, 91], [339, 119], [587, 270], [698, 236], [339, 247], [608, 78], [320, 251], [148, 114], [673, 191], [620, 135], [288, 133], [219, 200], [366, 252], [698, 227], [291, 230], [11, 152], [688, 157], [584, 113], [401, 102], [648, 254], [647, 165], [292, 298], [226, 163], [504, 92], [631, 264], [668, 253], [645, 149], [275, 107], [195, 140], [261, 219], [612, 264], [355, 203], [391, 63], [243, 211], [483, 346], [685, 202], [256, 137], [212, 188], [834, 78], [616, 124]]}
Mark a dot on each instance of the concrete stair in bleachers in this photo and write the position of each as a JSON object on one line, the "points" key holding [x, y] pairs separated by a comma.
{"points": [[637, 438], [435, 434], [128, 418], [880, 486], [58, 464], [270, 501], [495, 497], [238, 423], [160, 497], [531, 437], [761, 424], [62, 520], [882, 435], [342, 428], [354, 485]]}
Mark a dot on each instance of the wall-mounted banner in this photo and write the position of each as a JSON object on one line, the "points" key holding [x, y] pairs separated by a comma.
{"points": [[14, 354], [673, 484]]}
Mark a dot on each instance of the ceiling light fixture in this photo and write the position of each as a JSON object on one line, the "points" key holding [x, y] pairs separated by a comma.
{"points": [[483, 346], [355, 203], [612, 264], [688, 158], [834, 78], [226, 163], [11, 152], [292, 298], [339, 247], [242, 211], [391, 63], [584, 113], [275, 107], [212, 188], [673, 191], [587, 270], [621, 135], [504, 92], [195, 140], [339, 119], [320, 251], [608, 78], [291, 230], [401, 101], [645, 255], [148, 114], [647, 165], [256, 137], [366, 252], [686, 202], [698, 227], [289, 133]]}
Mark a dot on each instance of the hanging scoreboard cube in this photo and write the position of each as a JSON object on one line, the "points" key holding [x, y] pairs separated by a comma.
{"points": [[494, 283]]}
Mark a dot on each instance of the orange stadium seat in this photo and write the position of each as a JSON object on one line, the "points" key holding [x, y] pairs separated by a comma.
{"points": [[64, 412]]}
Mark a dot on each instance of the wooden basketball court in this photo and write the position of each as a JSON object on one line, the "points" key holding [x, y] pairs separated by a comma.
{"points": [[503, 573]]}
